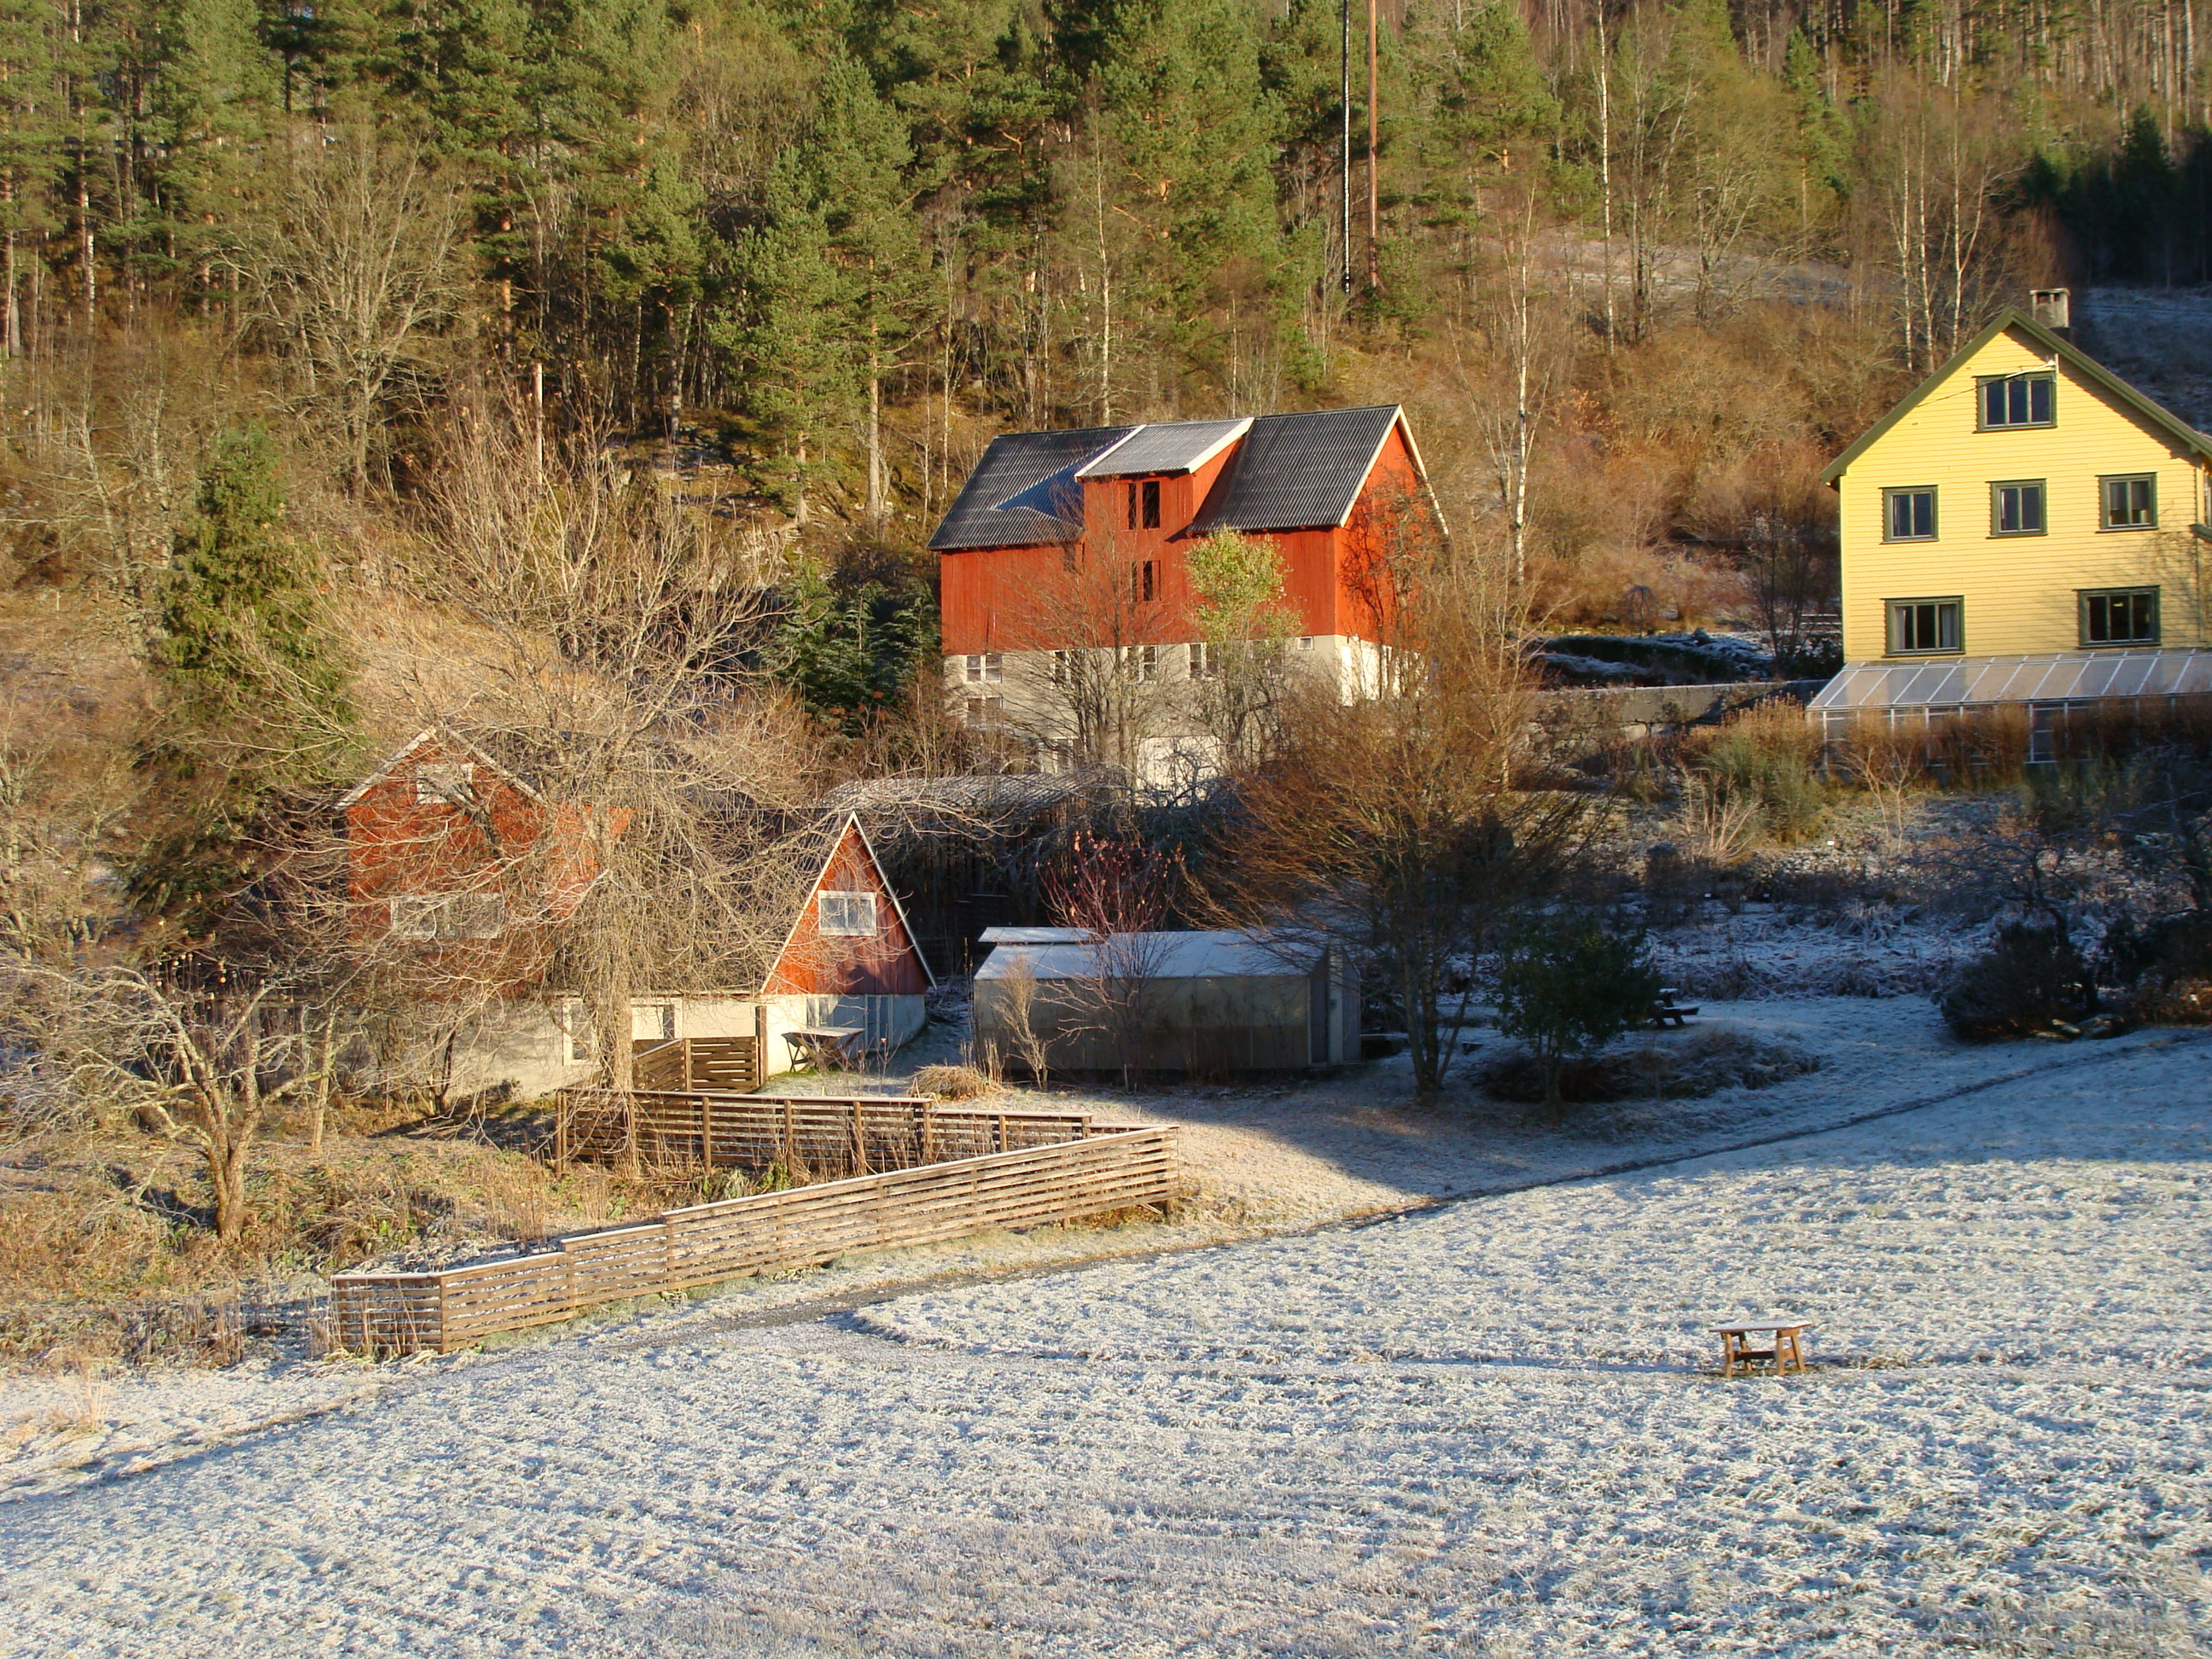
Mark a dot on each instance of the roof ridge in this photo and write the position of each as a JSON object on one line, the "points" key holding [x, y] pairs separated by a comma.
{"points": [[2012, 316]]}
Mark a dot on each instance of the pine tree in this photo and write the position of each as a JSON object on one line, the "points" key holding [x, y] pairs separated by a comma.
{"points": [[241, 639], [840, 242], [1192, 124], [33, 122], [256, 695]]}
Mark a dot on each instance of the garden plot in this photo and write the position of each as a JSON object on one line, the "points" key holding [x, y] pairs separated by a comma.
{"points": [[1488, 1428]]}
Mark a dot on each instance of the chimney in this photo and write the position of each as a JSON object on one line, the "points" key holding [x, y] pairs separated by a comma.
{"points": [[2052, 307]]}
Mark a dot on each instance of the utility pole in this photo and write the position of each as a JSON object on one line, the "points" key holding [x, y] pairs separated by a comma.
{"points": [[1374, 191], [1344, 176]]}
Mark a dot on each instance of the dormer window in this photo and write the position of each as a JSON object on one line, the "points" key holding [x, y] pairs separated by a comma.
{"points": [[2009, 400]]}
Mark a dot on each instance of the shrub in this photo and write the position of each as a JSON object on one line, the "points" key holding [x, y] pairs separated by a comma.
{"points": [[952, 1082], [1716, 1058], [2030, 979], [2166, 965], [1566, 987], [1762, 760]]}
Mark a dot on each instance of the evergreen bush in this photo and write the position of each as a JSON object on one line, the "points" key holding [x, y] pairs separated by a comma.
{"points": [[2030, 979], [1566, 987]]}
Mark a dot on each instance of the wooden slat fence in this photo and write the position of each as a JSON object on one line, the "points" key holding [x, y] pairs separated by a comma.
{"points": [[813, 1137], [726, 1063], [1113, 1167]]}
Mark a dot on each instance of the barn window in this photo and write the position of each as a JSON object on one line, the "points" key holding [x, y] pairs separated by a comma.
{"points": [[432, 917], [1204, 661], [1152, 499], [1144, 582], [984, 711], [1140, 663], [986, 668], [851, 915], [443, 782]]}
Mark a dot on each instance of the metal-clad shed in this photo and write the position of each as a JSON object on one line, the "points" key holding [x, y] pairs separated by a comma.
{"points": [[1168, 1001]]}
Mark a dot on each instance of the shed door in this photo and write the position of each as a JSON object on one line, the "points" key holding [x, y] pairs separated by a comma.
{"points": [[1317, 1012]]}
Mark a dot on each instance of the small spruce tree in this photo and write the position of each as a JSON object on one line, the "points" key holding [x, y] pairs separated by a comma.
{"points": [[256, 695]]}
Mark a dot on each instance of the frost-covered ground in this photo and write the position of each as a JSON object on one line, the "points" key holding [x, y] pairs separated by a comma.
{"points": [[1484, 1428], [1261, 1160]]}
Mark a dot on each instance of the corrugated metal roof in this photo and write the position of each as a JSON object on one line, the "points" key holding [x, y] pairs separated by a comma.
{"points": [[1022, 490], [1169, 447], [1225, 955], [2058, 676], [1298, 471]]}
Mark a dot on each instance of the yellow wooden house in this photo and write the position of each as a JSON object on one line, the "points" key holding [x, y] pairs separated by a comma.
{"points": [[2026, 529]]}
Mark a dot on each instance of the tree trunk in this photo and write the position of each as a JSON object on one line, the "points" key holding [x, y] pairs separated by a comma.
{"points": [[1374, 162], [875, 503]]}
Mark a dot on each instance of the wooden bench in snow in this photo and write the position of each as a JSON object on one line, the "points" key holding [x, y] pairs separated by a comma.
{"points": [[824, 1047], [1665, 1010], [1785, 1348]]}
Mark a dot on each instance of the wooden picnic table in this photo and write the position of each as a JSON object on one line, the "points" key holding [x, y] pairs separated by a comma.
{"points": [[1665, 1010], [824, 1047], [1786, 1337]]}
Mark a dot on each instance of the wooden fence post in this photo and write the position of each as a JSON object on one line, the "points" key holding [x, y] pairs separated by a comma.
{"points": [[561, 1132], [760, 1045], [707, 1131]]}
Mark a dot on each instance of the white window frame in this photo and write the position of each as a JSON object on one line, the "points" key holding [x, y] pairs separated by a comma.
{"points": [[432, 918], [986, 668], [847, 914], [444, 783]]}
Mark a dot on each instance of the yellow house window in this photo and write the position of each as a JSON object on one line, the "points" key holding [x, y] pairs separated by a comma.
{"points": [[2016, 508], [1918, 627], [2120, 616], [2130, 503], [1909, 515], [2009, 400]]}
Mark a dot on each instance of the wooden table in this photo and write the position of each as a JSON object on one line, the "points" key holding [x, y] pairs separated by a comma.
{"points": [[824, 1046], [1788, 1336]]}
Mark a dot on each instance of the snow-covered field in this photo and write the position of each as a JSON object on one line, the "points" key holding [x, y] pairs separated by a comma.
{"points": [[1483, 1428]]}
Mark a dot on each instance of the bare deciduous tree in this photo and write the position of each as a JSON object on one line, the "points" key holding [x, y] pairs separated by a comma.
{"points": [[1402, 828], [612, 678], [356, 271]]}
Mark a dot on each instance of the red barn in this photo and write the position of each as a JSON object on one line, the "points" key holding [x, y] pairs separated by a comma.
{"points": [[458, 860], [449, 850], [1338, 492]]}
